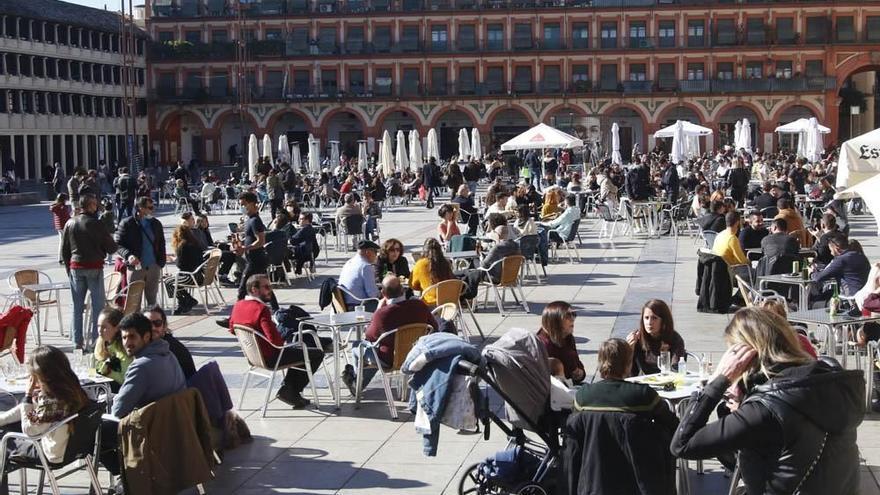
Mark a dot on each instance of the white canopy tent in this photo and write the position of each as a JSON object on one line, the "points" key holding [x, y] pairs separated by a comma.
{"points": [[798, 126], [295, 157], [253, 157], [859, 160], [433, 147], [283, 149], [476, 145], [267, 147], [386, 156], [464, 145], [401, 161], [687, 127], [542, 136], [314, 154], [362, 156], [615, 145], [415, 150]]}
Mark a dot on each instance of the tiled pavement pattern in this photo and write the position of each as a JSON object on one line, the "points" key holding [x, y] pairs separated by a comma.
{"points": [[360, 451]]}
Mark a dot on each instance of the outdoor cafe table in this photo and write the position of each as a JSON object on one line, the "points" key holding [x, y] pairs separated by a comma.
{"points": [[459, 255], [38, 289], [335, 323], [652, 210], [832, 324], [802, 283], [678, 400]]}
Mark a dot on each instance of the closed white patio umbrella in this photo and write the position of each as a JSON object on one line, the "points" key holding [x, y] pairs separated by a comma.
{"points": [[433, 146], [283, 149], [737, 135], [815, 146], [615, 144], [386, 156], [314, 154], [253, 157], [476, 145], [295, 157], [267, 147], [401, 161], [679, 144], [415, 150], [747, 135], [362, 156], [464, 146]]}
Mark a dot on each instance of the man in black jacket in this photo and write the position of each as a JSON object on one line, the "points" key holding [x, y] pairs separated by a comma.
{"points": [[467, 212], [85, 244], [433, 180], [142, 245], [638, 183], [779, 242], [738, 179], [126, 188], [670, 181], [714, 220]]}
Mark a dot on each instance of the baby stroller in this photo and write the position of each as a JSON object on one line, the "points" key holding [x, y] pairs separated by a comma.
{"points": [[517, 370]]}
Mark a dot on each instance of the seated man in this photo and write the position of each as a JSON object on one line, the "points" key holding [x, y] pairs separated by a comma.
{"points": [[503, 248], [823, 250], [159, 322], [779, 243], [358, 276], [754, 232], [304, 243], [253, 312], [467, 212], [395, 311], [849, 268], [794, 221], [349, 208], [500, 205], [727, 243], [618, 426], [563, 224], [152, 375], [714, 220]]}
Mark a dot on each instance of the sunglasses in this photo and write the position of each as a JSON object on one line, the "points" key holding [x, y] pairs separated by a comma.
{"points": [[157, 323]]}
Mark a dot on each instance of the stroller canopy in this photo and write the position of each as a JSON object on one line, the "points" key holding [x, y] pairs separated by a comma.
{"points": [[518, 363]]}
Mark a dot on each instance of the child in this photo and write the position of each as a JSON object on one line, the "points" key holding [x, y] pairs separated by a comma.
{"points": [[60, 213]]}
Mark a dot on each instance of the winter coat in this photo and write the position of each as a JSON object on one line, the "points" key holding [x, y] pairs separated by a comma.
{"points": [[713, 284]]}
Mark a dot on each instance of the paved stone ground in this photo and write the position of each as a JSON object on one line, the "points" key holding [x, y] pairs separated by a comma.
{"points": [[360, 451]]}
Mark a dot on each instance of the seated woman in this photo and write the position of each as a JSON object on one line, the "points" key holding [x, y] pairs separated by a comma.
{"points": [[111, 360], [556, 333], [552, 198], [304, 243], [656, 334], [372, 213], [432, 268], [391, 260], [447, 227], [189, 258], [525, 224], [53, 394], [618, 440]]}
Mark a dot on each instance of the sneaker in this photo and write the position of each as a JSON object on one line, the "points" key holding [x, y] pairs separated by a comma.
{"points": [[222, 322], [293, 399], [349, 378]]}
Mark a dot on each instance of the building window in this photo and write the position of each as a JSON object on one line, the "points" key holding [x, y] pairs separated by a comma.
{"points": [[329, 84], [467, 38], [522, 79], [439, 38], [696, 71], [696, 33], [608, 35], [845, 29], [467, 80], [274, 35], [872, 28], [166, 36], [725, 32], [580, 77], [439, 80], [522, 36], [382, 39], [193, 36], [495, 37], [638, 34], [354, 39], [580, 35], [411, 82], [219, 84], [817, 30], [382, 83], [166, 85], [273, 85], [666, 34], [754, 70], [785, 30], [551, 80], [409, 40], [666, 77], [724, 71], [495, 80], [638, 72], [608, 77], [783, 69], [327, 40], [356, 81], [219, 36], [814, 68], [552, 37], [755, 32]]}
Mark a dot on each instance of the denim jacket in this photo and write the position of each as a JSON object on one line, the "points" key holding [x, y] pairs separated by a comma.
{"points": [[432, 362]]}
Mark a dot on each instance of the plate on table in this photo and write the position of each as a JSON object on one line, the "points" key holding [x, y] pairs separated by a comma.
{"points": [[792, 275]]}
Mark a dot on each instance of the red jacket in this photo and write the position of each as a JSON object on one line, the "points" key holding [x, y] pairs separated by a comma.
{"points": [[254, 314], [18, 319], [393, 316], [60, 215]]}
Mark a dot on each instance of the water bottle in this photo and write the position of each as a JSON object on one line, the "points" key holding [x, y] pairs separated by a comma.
{"points": [[704, 365], [683, 366]]}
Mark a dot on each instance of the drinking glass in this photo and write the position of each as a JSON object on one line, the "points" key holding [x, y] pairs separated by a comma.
{"points": [[359, 312], [664, 362], [77, 361]]}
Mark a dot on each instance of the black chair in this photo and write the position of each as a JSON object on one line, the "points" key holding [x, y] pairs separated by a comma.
{"points": [[569, 242], [82, 445], [770, 212], [352, 226], [529, 247], [277, 252]]}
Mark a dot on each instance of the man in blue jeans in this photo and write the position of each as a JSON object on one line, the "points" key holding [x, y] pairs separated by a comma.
{"points": [[85, 244]]}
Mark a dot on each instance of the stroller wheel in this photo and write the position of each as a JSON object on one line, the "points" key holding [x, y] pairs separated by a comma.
{"points": [[475, 482], [530, 488]]}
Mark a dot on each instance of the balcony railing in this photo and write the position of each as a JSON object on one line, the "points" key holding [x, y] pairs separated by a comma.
{"points": [[330, 91]]}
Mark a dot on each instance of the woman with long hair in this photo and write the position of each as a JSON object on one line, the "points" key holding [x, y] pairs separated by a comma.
{"points": [[391, 260], [656, 334], [794, 419], [447, 228], [53, 394], [557, 335], [111, 360], [432, 268], [189, 258]]}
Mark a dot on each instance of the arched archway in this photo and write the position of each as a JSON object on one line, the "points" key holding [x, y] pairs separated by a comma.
{"points": [[399, 119], [727, 120], [447, 126], [631, 131], [347, 128], [293, 125], [506, 124], [857, 80], [184, 139], [569, 119], [233, 131], [788, 115], [684, 112]]}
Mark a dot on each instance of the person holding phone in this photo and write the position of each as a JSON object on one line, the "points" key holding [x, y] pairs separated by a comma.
{"points": [[793, 421]]}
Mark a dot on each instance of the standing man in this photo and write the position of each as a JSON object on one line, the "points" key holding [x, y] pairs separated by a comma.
{"points": [[534, 164], [58, 178], [432, 180], [85, 244], [126, 189], [252, 246], [142, 245], [275, 190], [670, 180]]}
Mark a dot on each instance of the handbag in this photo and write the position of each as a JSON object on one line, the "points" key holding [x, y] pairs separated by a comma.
{"points": [[872, 303]]}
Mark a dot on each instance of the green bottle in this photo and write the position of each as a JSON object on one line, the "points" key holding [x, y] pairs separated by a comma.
{"points": [[834, 303]]}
